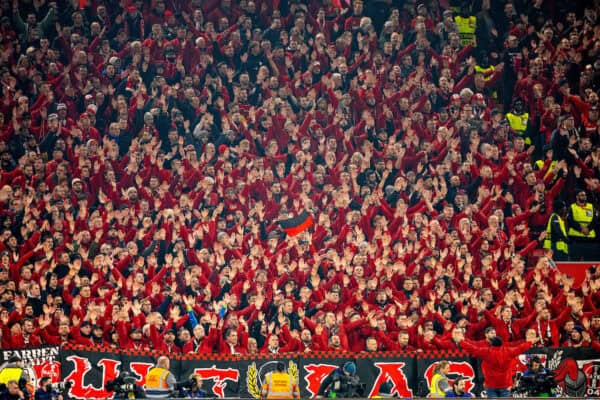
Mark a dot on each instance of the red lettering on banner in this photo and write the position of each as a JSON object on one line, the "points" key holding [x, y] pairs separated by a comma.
{"points": [[140, 369], [315, 373], [391, 372], [457, 368], [81, 367], [219, 377]]}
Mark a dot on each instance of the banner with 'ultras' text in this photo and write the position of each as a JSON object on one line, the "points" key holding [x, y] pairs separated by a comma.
{"points": [[89, 369]]}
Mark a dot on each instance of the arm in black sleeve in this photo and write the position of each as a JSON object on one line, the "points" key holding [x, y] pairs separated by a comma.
{"points": [[325, 384], [217, 54], [162, 250], [162, 308], [473, 187], [224, 290], [138, 121], [263, 231], [163, 124], [149, 250], [47, 145], [260, 150], [294, 104]]}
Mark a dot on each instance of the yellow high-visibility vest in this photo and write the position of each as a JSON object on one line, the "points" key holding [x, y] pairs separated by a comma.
{"points": [[483, 70], [466, 28], [10, 374], [583, 216], [156, 383], [279, 385], [560, 244], [518, 123], [434, 390], [540, 164]]}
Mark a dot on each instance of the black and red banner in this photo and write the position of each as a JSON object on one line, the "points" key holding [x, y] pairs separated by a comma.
{"points": [[409, 373], [298, 224]]}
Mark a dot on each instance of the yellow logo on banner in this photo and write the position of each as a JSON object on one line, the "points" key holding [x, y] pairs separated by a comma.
{"points": [[252, 381], [255, 376]]}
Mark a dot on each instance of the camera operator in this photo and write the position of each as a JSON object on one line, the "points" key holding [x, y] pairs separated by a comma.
{"points": [[536, 368], [458, 388], [342, 382], [537, 381], [125, 387], [191, 389], [46, 392]]}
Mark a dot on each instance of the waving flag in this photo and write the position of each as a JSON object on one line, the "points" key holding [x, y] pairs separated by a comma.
{"points": [[294, 226]]}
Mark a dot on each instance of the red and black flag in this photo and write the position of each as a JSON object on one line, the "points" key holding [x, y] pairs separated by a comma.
{"points": [[298, 224], [341, 3]]}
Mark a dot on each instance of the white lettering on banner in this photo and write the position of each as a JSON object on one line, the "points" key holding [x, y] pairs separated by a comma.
{"points": [[41, 354]]}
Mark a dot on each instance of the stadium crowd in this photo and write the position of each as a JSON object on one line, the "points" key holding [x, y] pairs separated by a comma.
{"points": [[150, 149]]}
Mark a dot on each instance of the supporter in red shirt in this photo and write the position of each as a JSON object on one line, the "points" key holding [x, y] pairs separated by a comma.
{"points": [[230, 343], [496, 361], [507, 328]]}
